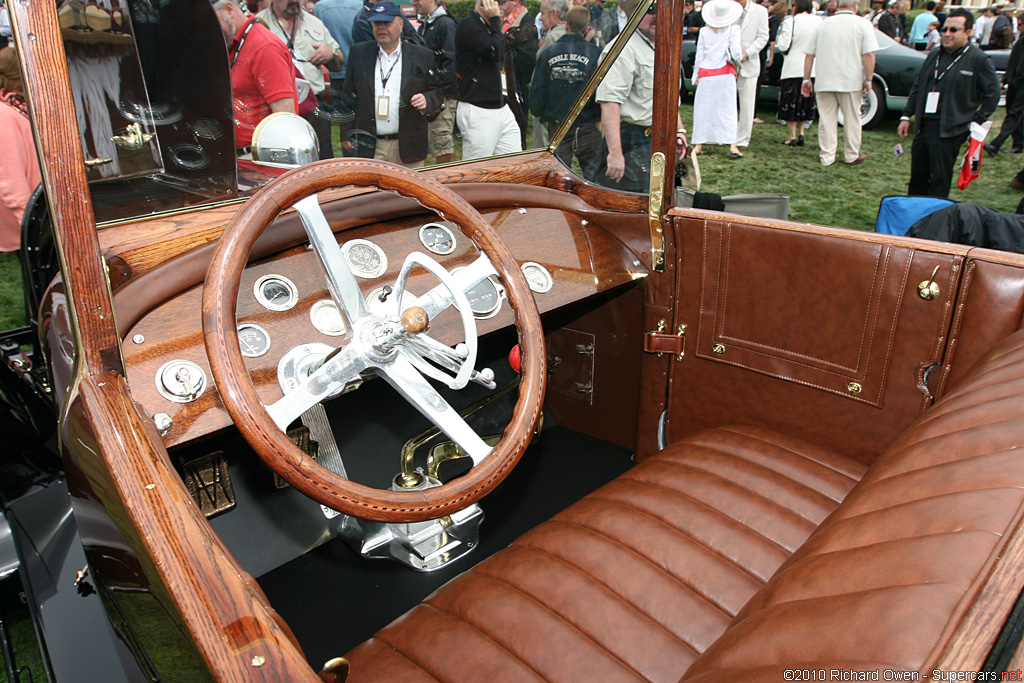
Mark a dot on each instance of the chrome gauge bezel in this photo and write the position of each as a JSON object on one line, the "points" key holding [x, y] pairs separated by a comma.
{"points": [[499, 291], [535, 267], [258, 351], [314, 311], [453, 242], [293, 292], [359, 270]]}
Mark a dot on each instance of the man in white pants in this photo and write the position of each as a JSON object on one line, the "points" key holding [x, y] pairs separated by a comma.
{"points": [[487, 124], [753, 37], [844, 47]]}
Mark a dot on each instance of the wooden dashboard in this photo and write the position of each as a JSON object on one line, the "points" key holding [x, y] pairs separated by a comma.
{"points": [[581, 255]]}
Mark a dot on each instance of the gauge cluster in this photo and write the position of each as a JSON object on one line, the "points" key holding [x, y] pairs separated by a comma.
{"points": [[367, 260], [287, 320]]}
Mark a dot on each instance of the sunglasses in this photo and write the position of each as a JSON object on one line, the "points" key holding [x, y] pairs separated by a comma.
{"points": [[950, 29]]}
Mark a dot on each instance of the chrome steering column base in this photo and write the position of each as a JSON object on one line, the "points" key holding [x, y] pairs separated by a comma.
{"points": [[422, 546]]}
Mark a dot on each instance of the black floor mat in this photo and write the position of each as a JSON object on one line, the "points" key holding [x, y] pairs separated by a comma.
{"points": [[333, 599]]}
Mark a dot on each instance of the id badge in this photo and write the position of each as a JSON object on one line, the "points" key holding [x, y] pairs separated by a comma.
{"points": [[931, 104], [504, 85], [383, 106]]}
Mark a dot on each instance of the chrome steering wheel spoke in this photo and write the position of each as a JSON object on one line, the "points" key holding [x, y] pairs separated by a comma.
{"points": [[342, 283], [327, 380], [438, 299], [406, 379]]}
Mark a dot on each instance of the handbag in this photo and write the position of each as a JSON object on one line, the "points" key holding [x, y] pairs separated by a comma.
{"points": [[688, 171]]}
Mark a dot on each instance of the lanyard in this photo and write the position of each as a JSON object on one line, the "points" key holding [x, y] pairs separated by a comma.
{"points": [[937, 76], [290, 39], [381, 57], [241, 41]]}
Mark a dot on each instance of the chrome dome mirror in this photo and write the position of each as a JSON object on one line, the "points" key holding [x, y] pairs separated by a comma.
{"points": [[284, 139]]}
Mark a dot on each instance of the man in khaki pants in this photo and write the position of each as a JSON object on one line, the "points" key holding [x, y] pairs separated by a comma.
{"points": [[844, 47]]}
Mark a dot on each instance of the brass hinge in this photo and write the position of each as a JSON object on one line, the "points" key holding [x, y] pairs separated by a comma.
{"points": [[660, 343], [656, 198]]}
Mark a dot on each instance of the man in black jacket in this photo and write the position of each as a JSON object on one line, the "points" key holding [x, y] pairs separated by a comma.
{"points": [[956, 85], [891, 21], [390, 93], [437, 28], [484, 117]]}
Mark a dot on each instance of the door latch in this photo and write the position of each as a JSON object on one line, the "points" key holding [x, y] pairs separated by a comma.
{"points": [[659, 342]]}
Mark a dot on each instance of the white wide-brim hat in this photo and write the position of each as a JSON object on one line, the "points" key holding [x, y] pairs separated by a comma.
{"points": [[721, 13]]}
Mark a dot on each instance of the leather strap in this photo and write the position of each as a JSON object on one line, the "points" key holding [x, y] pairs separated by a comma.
{"points": [[658, 342]]}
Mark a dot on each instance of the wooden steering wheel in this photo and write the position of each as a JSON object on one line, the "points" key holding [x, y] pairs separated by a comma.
{"points": [[394, 346]]}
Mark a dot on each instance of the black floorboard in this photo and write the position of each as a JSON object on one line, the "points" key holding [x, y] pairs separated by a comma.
{"points": [[333, 599]]}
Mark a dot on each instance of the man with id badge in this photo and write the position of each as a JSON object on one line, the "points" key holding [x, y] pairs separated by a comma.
{"points": [[956, 85], [390, 93]]}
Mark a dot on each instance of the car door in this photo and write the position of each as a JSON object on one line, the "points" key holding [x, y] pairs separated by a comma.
{"points": [[830, 335]]}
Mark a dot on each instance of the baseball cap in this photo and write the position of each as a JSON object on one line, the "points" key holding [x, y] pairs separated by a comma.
{"points": [[385, 10]]}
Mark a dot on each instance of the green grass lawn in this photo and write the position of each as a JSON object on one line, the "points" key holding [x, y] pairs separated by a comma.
{"points": [[840, 195]]}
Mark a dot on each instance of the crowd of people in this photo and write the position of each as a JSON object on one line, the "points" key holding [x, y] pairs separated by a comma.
{"points": [[829, 68], [397, 92]]}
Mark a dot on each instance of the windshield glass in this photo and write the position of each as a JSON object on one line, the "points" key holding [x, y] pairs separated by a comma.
{"points": [[168, 100]]}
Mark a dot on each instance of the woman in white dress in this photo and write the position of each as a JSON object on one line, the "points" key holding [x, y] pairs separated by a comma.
{"points": [[714, 73]]}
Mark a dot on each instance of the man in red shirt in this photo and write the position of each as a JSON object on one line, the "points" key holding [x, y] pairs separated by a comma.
{"points": [[262, 73]]}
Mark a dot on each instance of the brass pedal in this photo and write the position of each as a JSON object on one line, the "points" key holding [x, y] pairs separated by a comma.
{"points": [[209, 482]]}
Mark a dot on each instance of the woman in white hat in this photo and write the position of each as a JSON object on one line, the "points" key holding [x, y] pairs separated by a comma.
{"points": [[714, 73]]}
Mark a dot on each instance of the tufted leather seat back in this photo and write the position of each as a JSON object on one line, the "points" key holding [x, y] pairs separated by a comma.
{"points": [[889, 580]]}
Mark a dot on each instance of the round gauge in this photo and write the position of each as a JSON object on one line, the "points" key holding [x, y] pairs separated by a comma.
{"points": [[365, 258], [538, 276], [484, 297], [253, 340], [275, 292], [437, 238], [327, 318]]}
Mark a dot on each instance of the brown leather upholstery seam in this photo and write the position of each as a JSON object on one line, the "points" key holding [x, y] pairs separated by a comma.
{"points": [[516, 589], [397, 651], [755, 437], [625, 601], [678, 579], [696, 540], [752, 495], [725, 455]]}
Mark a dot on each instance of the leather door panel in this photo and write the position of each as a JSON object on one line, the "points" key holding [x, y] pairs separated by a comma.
{"points": [[799, 322]]}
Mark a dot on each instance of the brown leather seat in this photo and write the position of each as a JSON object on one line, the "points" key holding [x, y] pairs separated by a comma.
{"points": [[741, 553], [630, 583]]}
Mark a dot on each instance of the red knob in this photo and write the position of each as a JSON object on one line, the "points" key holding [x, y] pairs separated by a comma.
{"points": [[515, 358]]}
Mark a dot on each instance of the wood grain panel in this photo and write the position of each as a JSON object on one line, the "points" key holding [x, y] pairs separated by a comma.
{"points": [[145, 244], [583, 260], [117, 453]]}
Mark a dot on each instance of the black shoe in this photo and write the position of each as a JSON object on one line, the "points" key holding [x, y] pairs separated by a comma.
{"points": [[1016, 184], [800, 141], [991, 149], [1015, 150]]}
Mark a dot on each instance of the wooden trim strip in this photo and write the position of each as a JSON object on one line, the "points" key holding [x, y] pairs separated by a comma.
{"points": [[52, 111]]}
